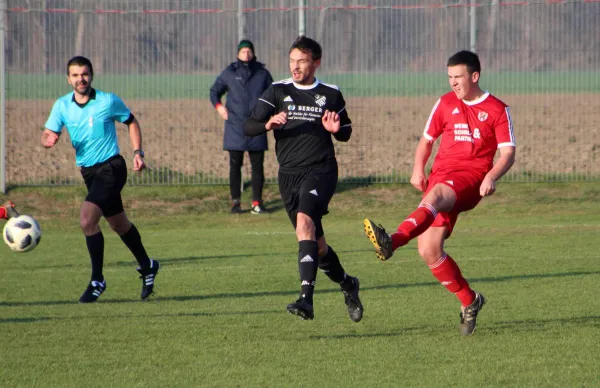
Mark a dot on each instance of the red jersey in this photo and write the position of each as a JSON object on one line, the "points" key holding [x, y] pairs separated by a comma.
{"points": [[471, 132]]}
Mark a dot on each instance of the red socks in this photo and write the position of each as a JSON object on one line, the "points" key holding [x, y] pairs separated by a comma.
{"points": [[447, 272], [445, 269], [2, 212], [415, 224]]}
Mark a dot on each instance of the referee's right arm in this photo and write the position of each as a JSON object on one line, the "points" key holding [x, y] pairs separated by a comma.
{"points": [[264, 109]]}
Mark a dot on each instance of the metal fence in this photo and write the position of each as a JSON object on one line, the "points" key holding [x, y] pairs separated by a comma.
{"points": [[388, 57]]}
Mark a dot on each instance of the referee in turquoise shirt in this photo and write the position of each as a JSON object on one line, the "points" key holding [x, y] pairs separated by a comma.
{"points": [[89, 116]]}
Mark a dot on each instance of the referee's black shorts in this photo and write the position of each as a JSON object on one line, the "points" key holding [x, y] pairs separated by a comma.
{"points": [[309, 191], [104, 182]]}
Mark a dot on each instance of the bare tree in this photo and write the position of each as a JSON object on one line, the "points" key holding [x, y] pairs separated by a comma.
{"points": [[41, 37], [80, 30], [100, 47], [321, 24], [527, 38], [349, 35], [492, 30]]}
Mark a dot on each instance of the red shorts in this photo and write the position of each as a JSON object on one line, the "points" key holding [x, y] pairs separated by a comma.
{"points": [[466, 186]]}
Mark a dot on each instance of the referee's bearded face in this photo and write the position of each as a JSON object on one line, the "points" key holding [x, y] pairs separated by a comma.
{"points": [[80, 78], [461, 82], [303, 67]]}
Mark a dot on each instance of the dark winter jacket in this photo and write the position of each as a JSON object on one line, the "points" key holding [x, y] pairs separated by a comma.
{"points": [[244, 83]]}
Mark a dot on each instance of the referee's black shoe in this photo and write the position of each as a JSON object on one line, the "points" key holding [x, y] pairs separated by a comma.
{"points": [[93, 291], [301, 308], [148, 276], [355, 307]]}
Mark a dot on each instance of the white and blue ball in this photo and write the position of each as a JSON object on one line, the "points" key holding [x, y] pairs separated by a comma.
{"points": [[22, 233]]}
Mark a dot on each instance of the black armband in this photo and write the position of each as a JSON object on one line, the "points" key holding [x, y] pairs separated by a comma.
{"points": [[129, 119]]}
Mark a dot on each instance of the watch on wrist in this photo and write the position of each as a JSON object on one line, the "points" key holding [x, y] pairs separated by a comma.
{"points": [[139, 152]]}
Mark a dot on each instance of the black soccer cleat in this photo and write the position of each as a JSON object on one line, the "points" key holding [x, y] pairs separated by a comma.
{"points": [[11, 212], [148, 277], [355, 307], [301, 308], [93, 291], [468, 315], [380, 239]]}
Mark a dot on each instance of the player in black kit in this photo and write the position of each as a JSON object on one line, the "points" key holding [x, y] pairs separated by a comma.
{"points": [[303, 114]]}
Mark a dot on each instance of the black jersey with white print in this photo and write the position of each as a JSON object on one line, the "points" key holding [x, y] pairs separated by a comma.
{"points": [[302, 141]]}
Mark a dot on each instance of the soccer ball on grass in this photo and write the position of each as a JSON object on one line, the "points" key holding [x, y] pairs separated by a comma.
{"points": [[22, 233]]}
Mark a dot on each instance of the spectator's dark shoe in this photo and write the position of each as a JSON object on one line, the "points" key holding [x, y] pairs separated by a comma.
{"points": [[236, 208], [258, 209]]}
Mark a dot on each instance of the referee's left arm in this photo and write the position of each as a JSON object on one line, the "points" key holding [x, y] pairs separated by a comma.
{"points": [[121, 113], [135, 132]]}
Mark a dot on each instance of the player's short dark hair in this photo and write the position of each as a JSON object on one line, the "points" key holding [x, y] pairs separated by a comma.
{"points": [[306, 44], [80, 61], [467, 58]]}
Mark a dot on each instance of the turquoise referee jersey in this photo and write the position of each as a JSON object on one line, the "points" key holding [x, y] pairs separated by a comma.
{"points": [[91, 126]]}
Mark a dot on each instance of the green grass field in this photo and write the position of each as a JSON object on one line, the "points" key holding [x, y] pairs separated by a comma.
{"points": [[218, 318], [184, 86]]}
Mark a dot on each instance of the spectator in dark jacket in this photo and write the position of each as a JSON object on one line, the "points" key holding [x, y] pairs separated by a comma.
{"points": [[244, 81]]}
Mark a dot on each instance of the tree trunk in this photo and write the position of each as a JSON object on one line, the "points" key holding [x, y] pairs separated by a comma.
{"points": [[527, 38], [80, 32], [492, 30], [101, 38], [228, 36], [321, 24], [40, 38], [349, 31]]}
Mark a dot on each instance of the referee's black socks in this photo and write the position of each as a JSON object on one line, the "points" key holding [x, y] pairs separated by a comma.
{"points": [[308, 256], [133, 241], [331, 266], [95, 246]]}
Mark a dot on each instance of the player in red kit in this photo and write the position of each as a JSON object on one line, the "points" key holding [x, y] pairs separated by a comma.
{"points": [[473, 124], [7, 210]]}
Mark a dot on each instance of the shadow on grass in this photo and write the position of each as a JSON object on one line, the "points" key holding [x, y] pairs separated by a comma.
{"points": [[258, 294], [395, 333], [143, 316], [272, 206], [291, 254], [541, 324], [26, 320], [188, 259], [487, 328], [349, 185]]}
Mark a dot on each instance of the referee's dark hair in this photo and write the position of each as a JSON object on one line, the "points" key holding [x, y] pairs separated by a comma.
{"points": [[306, 44], [80, 61], [467, 58]]}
